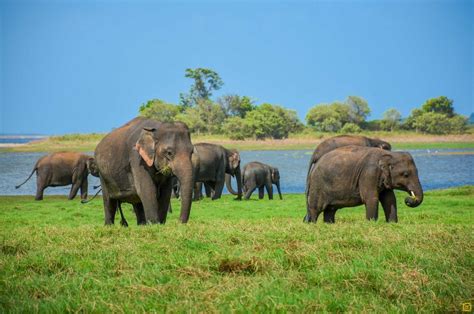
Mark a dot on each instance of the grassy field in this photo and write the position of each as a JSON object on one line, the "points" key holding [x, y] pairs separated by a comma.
{"points": [[400, 140], [248, 256]]}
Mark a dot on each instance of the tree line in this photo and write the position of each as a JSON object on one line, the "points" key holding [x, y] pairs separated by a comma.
{"points": [[239, 117]]}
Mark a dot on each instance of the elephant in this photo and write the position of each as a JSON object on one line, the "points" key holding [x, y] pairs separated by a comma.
{"points": [[354, 175], [214, 165], [259, 175], [60, 169], [340, 141], [137, 162]]}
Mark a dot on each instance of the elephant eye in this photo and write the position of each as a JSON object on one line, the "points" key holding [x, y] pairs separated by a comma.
{"points": [[406, 174]]}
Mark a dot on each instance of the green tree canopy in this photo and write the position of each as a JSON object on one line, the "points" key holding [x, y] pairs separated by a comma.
{"points": [[328, 117], [438, 123], [159, 110], [235, 105], [441, 104], [205, 117], [358, 109], [237, 128], [205, 82], [272, 121]]}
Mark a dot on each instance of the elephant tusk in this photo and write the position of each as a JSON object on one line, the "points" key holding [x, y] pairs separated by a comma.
{"points": [[413, 196]]}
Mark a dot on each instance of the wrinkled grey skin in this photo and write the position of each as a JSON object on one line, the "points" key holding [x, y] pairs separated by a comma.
{"points": [[259, 175], [354, 175], [340, 141], [60, 169], [136, 164], [212, 164]]}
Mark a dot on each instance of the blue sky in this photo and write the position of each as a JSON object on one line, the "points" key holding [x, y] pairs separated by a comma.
{"points": [[86, 66]]}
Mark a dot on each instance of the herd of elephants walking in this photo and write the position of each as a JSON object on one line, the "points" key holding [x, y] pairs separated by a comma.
{"points": [[145, 161]]}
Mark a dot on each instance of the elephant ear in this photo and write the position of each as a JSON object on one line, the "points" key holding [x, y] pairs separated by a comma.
{"points": [[92, 167], [385, 165], [146, 146]]}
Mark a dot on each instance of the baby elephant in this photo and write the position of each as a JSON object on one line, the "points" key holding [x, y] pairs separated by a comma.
{"points": [[259, 175], [64, 168], [354, 175]]}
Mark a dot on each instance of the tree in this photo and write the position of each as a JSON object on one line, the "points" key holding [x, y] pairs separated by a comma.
{"points": [[235, 105], [391, 119], [236, 128], [350, 128], [358, 109], [272, 121], [159, 110], [205, 82], [438, 123], [328, 117], [205, 117], [439, 104]]}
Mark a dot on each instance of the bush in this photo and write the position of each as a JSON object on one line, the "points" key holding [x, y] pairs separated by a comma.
{"points": [[350, 128], [438, 123], [272, 121], [159, 110], [236, 128]]}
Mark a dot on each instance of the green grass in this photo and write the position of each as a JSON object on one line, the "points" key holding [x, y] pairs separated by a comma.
{"points": [[308, 140], [248, 256]]}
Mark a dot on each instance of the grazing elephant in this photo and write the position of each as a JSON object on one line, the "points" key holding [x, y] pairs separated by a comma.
{"points": [[63, 168], [340, 141], [354, 175], [259, 175], [136, 164], [214, 162]]}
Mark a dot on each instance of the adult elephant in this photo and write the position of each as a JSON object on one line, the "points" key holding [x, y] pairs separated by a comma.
{"points": [[340, 141], [60, 169], [136, 164], [259, 175], [214, 162], [354, 175]]}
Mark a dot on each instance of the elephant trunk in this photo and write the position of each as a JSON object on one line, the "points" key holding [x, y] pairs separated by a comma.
{"points": [[228, 183], [278, 187], [184, 173], [416, 196]]}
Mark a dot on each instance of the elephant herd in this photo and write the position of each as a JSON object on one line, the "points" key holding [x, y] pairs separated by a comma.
{"points": [[144, 161]]}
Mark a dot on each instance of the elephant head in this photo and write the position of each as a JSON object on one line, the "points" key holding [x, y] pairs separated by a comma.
{"points": [[375, 142], [92, 167], [169, 150], [233, 168], [398, 171], [275, 174]]}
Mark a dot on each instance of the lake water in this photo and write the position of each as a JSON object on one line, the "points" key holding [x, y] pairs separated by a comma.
{"points": [[19, 139], [437, 169]]}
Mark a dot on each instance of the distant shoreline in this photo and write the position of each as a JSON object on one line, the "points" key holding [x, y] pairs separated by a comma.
{"points": [[88, 142]]}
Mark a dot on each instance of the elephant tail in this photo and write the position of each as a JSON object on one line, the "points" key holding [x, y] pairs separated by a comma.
{"points": [[31, 174], [123, 221], [87, 201]]}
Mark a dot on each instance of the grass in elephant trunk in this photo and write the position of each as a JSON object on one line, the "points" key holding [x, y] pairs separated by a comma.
{"points": [[247, 256]]}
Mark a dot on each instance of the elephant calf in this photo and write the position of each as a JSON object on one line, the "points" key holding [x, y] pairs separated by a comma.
{"points": [[354, 175], [259, 175], [63, 168]]}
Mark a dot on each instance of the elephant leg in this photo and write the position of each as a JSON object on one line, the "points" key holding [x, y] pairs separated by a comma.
{"points": [[329, 215], [208, 189], [74, 189], [218, 189], [84, 187], [40, 186], [140, 213], [261, 192], [147, 193], [389, 204], [197, 191], [110, 208], [269, 188], [164, 199], [372, 207], [251, 187]]}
